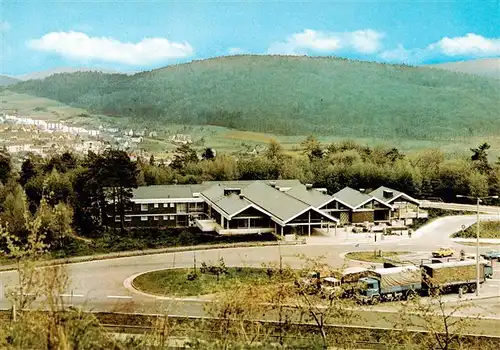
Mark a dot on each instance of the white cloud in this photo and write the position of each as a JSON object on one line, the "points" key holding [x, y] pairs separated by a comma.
{"points": [[399, 54], [470, 44], [235, 51], [77, 45], [363, 41], [4, 26]]}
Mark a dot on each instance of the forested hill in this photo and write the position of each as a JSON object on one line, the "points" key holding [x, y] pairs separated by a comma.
{"points": [[291, 95]]}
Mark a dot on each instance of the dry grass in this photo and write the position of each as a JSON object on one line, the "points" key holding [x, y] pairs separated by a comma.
{"points": [[374, 258], [248, 136]]}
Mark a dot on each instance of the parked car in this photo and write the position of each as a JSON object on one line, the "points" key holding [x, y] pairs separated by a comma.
{"points": [[443, 252], [492, 255]]}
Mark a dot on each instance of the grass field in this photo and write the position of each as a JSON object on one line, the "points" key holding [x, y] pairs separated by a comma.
{"points": [[487, 229], [175, 282], [373, 257]]}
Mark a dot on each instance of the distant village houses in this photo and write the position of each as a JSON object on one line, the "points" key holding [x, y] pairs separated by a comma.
{"points": [[181, 139]]}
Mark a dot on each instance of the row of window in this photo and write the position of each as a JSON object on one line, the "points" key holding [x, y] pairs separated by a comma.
{"points": [[146, 218], [144, 207], [181, 207]]}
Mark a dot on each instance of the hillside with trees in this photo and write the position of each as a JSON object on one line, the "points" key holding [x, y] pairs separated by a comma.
{"points": [[290, 95]]}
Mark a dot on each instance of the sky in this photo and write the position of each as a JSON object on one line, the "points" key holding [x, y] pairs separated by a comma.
{"points": [[130, 36]]}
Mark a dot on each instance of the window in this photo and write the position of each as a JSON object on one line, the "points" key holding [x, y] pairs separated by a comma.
{"points": [[182, 207], [144, 218], [128, 218], [171, 217], [165, 205], [156, 205], [117, 218], [165, 217], [156, 218], [172, 205], [144, 207]]}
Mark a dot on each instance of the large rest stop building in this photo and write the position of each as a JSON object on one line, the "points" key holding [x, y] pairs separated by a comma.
{"points": [[258, 206]]}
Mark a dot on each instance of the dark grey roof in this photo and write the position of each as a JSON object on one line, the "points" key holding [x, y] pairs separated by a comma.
{"points": [[351, 197], [279, 204], [379, 194], [310, 196], [165, 191]]}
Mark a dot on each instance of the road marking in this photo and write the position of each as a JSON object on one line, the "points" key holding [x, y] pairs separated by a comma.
{"points": [[72, 295], [183, 299], [119, 297], [492, 285]]}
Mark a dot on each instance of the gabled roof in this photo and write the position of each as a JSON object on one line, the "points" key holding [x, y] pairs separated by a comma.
{"points": [[379, 194], [213, 193], [355, 199], [165, 191], [232, 204], [310, 196], [351, 197], [281, 205]]}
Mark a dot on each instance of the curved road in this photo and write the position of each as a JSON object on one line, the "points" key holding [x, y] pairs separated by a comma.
{"points": [[99, 284]]}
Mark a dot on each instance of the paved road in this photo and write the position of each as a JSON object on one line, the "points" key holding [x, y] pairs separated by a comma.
{"points": [[456, 206], [98, 285]]}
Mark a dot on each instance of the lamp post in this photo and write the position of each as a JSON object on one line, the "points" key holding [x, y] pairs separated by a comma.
{"points": [[478, 200]]}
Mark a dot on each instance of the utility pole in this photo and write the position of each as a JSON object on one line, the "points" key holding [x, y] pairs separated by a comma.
{"points": [[478, 200], [477, 248]]}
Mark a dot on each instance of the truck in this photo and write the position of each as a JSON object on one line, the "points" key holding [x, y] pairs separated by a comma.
{"points": [[395, 283], [343, 284], [387, 284], [454, 276]]}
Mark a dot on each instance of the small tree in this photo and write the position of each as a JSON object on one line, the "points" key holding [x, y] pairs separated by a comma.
{"points": [[440, 321], [208, 154], [25, 253]]}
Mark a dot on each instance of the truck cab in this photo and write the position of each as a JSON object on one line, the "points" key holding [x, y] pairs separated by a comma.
{"points": [[488, 271], [369, 290], [330, 287]]}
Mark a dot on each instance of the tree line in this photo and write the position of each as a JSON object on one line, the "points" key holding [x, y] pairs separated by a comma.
{"points": [[74, 194]]}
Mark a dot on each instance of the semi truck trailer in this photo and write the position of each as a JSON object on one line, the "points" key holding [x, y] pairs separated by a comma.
{"points": [[394, 283], [454, 276]]}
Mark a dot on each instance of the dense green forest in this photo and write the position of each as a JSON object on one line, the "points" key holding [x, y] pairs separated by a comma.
{"points": [[291, 96]]}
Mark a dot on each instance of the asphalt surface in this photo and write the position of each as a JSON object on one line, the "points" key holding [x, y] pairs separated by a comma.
{"points": [[99, 285]]}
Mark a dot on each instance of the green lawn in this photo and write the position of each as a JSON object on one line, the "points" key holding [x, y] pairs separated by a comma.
{"points": [[175, 282], [373, 256], [487, 229]]}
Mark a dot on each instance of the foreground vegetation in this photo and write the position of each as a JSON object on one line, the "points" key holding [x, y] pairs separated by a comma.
{"points": [[375, 256], [330, 96], [234, 318], [487, 229]]}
